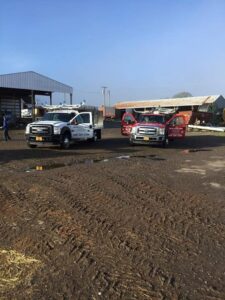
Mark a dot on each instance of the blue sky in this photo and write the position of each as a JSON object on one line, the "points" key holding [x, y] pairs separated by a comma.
{"points": [[139, 49]]}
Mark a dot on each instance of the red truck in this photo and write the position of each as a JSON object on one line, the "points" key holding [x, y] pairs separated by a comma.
{"points": [[151, 128]]}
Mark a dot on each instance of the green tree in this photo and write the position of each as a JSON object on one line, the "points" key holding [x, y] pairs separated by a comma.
{"points": [[182, 95]]}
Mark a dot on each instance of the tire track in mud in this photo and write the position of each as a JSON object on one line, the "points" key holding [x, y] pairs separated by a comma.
{"points": [[18, 217], [101, 232], [11, 206], [103, 225], [186, 229], [81, 255], [106, 230]]}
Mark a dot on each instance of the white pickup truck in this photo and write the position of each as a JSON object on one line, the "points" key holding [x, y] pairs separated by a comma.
{"points": [[62, 127]]}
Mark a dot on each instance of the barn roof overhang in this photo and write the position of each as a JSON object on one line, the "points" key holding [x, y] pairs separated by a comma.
{"points": [[32, 81], [169, 102]]}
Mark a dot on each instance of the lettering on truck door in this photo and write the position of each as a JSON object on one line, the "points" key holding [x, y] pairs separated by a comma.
{"points": [[127, 123], [176, 127], [85, 125], [75, 128]]}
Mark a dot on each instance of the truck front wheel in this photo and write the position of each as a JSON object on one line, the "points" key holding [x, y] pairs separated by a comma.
{"points": [[65, 143], [131, 142], [31, 145], [165, 143]]}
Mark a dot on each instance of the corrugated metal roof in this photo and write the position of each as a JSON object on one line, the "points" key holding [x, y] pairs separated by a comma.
{"points": [[33, 81], [170, 102]]}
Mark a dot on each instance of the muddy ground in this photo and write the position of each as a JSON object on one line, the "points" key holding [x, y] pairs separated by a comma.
{"points": [[111, 221]]}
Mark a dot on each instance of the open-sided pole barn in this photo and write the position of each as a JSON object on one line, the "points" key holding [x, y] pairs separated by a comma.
{"points": [[24, 86]]}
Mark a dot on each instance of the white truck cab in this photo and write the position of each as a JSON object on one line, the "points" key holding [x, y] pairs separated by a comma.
{"points": [[62, 127]]}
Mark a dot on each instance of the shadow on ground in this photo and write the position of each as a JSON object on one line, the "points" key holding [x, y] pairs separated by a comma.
{"points": [[112, 143]]}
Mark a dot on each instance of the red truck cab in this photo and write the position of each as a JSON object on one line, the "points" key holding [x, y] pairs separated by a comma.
{"points": [[151, 128]]}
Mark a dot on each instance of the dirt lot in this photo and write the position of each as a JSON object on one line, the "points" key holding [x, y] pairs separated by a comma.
{"points": [[111, 221]]}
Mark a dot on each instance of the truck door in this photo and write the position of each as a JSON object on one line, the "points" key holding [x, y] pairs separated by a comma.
{"points": [[127, 123], [176, 127], [84, 125]]}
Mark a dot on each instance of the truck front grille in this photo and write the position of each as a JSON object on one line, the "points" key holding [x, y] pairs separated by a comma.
{"points": [[146, 130], [41, 129]]}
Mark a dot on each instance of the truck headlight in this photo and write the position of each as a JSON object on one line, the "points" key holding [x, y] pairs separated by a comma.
{"points": [[57, 130], [161, 131], [133, 130], [27, 131]]}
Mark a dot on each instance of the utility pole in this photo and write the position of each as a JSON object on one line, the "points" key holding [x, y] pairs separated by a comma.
{"points": [[103, 92], [108, 92]]}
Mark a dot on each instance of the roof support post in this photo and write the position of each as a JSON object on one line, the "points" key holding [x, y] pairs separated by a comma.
{"points": [[33, 105], [50, 98], [71, 98]]}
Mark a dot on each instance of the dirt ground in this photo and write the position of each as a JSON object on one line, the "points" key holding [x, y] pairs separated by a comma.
{"points": [[106, 220]]}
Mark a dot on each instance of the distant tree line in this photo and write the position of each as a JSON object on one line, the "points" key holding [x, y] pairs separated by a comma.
{"points": [[182, 95]]}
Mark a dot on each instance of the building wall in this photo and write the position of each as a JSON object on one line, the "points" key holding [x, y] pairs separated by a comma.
{"points": [[220, 102], [11, 105]]}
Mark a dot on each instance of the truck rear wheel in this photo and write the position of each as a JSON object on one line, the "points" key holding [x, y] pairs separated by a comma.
{"points": [[97, 135], [65, 143]]}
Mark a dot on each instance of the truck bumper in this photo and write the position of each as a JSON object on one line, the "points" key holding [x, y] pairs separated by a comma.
{"points": [[42, 140], [146, 140]]}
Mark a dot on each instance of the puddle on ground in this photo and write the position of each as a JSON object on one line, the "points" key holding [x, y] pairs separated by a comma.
{"points": [[215, 185], [186, 151], [90, 161], [193, 170]]}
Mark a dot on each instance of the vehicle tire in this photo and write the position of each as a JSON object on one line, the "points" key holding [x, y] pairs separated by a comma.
{"points": [[65, 143], [31, 145], [99, 134], [165, 143], [131, 142], [95, 137]]}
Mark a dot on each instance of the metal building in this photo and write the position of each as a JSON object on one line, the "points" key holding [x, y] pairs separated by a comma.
{"points": [[204, 109], [203, 103], [25, 86]]}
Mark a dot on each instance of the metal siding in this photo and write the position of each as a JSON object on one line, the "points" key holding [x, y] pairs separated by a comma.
{"points": [[220, 102], [33, 81], [10, 105]]}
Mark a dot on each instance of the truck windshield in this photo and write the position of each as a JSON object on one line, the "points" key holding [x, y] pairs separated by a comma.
{"points": [[62, 117], [151, 119]]}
